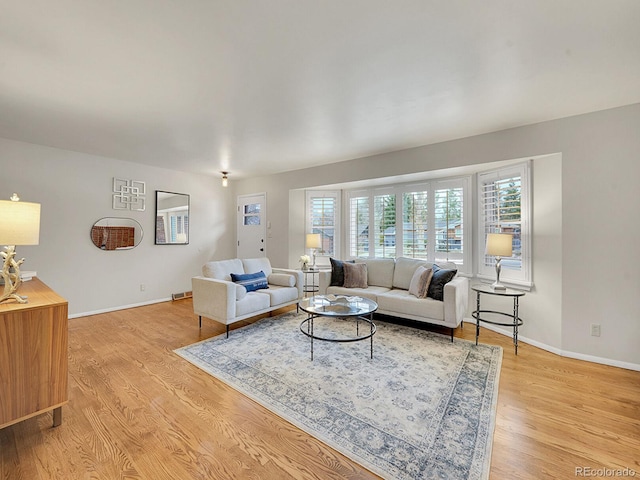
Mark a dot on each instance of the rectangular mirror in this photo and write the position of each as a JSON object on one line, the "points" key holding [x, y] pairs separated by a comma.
{"points": [[172, 218]]}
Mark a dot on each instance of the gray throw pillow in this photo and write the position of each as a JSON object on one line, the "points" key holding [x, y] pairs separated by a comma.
{"points": [[419, 286], [440, 278], [355, 275], [337, 272]]}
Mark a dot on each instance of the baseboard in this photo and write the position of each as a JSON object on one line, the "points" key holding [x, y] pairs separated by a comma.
{"points": [[559, 351], [121, 307]]}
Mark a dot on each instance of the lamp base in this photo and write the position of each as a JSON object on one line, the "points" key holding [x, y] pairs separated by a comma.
{"points": [[11, 278], [498, 286]]}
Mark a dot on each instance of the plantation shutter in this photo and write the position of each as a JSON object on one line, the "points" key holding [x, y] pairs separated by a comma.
{"points": [[322, 218], [384, 225], [415, 216], [359, 225], [449, 226], [504, 208]]}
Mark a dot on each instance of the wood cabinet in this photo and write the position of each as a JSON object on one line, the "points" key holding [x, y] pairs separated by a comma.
{"points": [[33, 355]]}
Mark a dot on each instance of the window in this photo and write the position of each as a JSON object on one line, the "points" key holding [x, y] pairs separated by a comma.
{"points": [[415, 222], [427, 220], [503, 207], [448, 212], [384, 228], [358, 225], [323, 218]]}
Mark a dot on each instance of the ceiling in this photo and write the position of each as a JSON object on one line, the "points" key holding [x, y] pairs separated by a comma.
{"points": [[265, 86]]}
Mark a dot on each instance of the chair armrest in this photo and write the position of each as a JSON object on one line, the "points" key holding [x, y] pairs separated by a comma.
{"points": [[214, 299], [456, 300], [297, 274]]}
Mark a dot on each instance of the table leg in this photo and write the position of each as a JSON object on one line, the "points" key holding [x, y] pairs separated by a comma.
{"points": [[371, 331], [311, 321], [477, 316], [57, 416], [515, 323]]}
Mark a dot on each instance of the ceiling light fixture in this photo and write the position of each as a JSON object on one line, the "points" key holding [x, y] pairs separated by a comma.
{"points": [[225, 179]]}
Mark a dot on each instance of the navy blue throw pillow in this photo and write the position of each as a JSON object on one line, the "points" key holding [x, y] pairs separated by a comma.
{"points": [[440, 278], [251, 281], [337, 272]]}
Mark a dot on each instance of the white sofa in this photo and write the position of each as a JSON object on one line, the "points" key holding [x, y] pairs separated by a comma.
{"points": [[388, 283], [216, 297]]}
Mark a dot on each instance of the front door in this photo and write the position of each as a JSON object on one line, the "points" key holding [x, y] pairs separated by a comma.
{"points": [[251, 226]]}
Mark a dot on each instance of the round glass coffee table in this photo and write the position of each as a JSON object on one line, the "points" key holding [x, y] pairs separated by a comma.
{"points": [[339, 306]]}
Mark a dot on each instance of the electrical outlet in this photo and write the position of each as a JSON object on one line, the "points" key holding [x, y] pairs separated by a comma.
{"points": [[595, 329], [142, 287]]}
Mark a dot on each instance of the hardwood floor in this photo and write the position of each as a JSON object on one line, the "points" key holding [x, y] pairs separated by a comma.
{"points": [[137, 410]]}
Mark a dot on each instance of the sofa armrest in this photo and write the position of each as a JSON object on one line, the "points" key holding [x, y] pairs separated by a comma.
{"points": [[324, 281], [297, 275], [214, 299], [456, 300]]}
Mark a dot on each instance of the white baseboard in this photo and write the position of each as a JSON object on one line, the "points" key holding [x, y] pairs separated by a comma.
{"points": [[559, 351], [121, 307]]}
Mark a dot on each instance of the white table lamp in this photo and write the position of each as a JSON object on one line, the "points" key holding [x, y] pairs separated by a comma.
{"points": [[19, 225], [499, 245], [314, 242]]}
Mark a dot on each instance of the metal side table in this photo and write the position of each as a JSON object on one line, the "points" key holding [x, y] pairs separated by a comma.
{"points": [[515, 322]]}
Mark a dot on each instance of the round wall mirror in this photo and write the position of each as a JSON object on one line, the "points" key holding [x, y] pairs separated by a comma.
{"points": [[112, 233]]}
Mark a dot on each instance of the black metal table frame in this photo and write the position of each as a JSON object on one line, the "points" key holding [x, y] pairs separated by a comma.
{"points": [[515, 322], [309, 329], [312, 287]]}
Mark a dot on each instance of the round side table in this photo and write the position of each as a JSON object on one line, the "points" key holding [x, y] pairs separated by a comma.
{"points": [[515, 320]]}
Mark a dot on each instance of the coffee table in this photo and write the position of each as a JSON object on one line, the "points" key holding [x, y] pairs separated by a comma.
{"points": [[346, 307]]}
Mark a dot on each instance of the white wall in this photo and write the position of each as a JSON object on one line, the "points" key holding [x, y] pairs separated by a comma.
{"points": [[585, 272], [74, 190]]}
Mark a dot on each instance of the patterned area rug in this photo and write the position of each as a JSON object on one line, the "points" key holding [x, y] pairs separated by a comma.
{"points": [[422, 408]]}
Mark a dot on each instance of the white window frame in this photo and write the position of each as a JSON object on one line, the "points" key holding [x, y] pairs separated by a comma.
{"points": [[465, 264], [322, 257], [522, 278]]}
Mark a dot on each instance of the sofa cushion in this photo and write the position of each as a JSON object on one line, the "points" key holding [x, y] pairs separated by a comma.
{"points": [[282, 280], [404, 270], [279, 295], [419, 286], [250, 281], [355, 275], [400, 303], [253, 302], [379, 271], [441, 276], [337, 271], [222, 269], [370, 292], [253, 265]]}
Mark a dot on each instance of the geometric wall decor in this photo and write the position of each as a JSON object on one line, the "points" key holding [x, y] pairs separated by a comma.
{"points": [[128, 194]]}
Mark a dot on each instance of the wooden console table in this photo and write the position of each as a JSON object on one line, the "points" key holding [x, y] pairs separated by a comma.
{"points": [[33, 355]]}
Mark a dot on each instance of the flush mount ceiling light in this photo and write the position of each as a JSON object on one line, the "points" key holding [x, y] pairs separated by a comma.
{"points": [[225, 179]]}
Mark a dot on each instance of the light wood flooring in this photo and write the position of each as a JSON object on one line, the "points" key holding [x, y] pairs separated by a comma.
{"points": [[138, 411]]}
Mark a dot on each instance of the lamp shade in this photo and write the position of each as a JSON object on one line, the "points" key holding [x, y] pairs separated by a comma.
{"points": [[499, 244], [19, 223], [313, 240]]}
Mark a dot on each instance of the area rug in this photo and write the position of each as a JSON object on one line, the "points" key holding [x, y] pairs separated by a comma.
{"points": [[422, 408]]}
